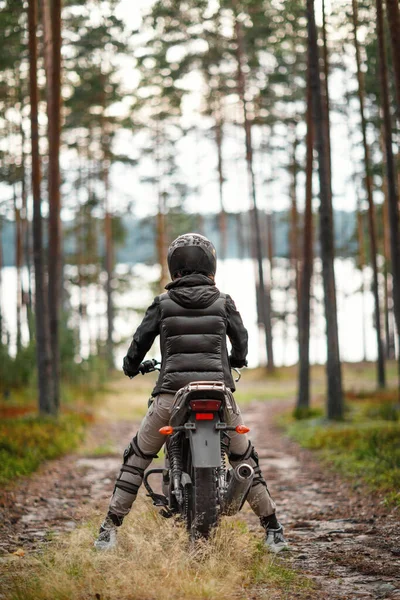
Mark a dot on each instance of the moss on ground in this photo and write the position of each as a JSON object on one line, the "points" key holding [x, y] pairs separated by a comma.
{"points": [[26, 442], [364, 447]]}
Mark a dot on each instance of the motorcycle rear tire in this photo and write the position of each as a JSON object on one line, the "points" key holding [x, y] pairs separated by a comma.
{"points": [[205, 502]]}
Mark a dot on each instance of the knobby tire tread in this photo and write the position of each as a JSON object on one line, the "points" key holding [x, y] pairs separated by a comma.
{"points": [[205, 502]]}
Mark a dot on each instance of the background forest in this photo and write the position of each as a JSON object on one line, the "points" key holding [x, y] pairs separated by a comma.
{"points": [[271, 127], [122, 128]]}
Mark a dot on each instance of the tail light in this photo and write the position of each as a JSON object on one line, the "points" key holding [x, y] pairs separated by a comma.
{"points": [[204, 406], [203, 416]]}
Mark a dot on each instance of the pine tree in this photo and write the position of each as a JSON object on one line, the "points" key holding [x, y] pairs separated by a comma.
{"points": [[46, 404], [303, 396], [52, 33], [371, 206], [390, 168], [393, 18], [335, 393]]}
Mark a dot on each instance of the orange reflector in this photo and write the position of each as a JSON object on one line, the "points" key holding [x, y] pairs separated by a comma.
{"points": [[204, 416], [242, 429], [167, 430]]}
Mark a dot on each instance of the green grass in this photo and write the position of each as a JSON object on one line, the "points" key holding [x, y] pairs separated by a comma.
{"points": [[26, 442], [364, 447]]}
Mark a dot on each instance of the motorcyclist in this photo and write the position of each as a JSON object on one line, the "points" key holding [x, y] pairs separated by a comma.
{"points": [[193, 319]]}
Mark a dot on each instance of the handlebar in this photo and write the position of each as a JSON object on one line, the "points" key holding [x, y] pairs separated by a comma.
{"points": [[149, 366], [238, 372]]}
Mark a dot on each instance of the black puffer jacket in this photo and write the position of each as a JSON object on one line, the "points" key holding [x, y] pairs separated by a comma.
{"points": [[193, 319]]}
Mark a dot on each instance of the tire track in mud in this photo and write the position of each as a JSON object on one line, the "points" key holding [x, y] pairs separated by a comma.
{"points": [[344, 539]]}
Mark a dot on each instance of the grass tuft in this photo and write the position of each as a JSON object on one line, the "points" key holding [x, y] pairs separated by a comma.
{"points": [[155, 561]]}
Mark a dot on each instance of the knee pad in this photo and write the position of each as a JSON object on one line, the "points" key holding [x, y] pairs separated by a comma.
{"points": [[245, 456], [132, 450]]}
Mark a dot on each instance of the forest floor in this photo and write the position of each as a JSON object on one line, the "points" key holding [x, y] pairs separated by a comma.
{"points": [[346, 541]]}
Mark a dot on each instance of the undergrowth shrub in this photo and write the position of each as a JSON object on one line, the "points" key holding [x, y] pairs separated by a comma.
{"points": [[368, 450], [26, 442]]}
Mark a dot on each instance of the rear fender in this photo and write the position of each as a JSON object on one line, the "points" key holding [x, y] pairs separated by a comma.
{"points": [[205, 445]]}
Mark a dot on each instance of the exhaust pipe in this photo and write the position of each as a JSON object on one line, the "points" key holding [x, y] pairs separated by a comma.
{"points": [[239, 485]]}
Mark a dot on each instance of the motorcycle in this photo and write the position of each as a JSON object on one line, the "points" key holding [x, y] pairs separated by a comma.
{"points": [[197, 485]]}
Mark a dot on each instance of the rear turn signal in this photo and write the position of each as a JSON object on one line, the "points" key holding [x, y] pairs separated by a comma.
{"points": [[167, 430], [241, 429]]}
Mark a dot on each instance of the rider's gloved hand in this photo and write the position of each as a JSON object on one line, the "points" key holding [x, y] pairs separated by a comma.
{"points": [[147, 366], [128, 371], [237, 363]]}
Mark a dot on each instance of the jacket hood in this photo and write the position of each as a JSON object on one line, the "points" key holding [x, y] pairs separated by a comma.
{"points": [[193, 291]]}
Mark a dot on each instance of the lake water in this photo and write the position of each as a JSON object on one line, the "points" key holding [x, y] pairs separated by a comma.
{"points": [[235, 277]]}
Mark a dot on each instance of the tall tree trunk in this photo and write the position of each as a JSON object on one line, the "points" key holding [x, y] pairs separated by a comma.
{"points": [[241, 235], [393, 17], [270, 242], [393, 205], [264, 286], [371, 208], [361, 264], [294, 225], [109, 269], [161, 234], [303, 395], [162, 242], [18, 266], [46, 401], [52, 31], [335, 392], [222, 214], [389, 324], [327, 103]]}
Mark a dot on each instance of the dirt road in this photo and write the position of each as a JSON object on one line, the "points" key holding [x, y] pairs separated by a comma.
{"points": [[344, 539]]}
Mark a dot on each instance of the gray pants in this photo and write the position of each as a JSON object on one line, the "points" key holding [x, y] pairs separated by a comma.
{"points": [[148, 442]]}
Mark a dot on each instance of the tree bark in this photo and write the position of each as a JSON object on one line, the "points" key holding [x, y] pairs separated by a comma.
{"points": [[294, 225], [46, 401], [270, 242], [161, 234], [222, 214], [361, 264], [18, 266], [389, 324], [303, 395], [264, 286], [52, 32], [327, 103], [334, 375], [393, 17], [371, 208], [393, 207], [109, 270]]}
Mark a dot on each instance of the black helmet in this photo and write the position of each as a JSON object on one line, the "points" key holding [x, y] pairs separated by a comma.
{"points": [[192, 253]]}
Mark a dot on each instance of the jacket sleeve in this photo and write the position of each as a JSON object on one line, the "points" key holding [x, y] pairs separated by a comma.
{"points": [[237, 334], [144, 337]]}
